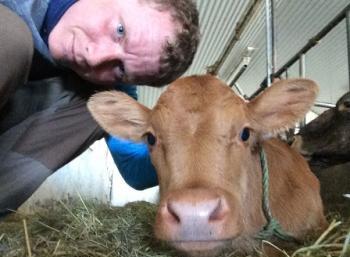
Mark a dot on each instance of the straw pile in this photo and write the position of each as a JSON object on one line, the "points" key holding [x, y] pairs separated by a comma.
{"points": [[89, 229]]}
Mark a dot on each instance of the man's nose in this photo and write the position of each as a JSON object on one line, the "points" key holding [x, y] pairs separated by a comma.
{"points": [[100, 54]]}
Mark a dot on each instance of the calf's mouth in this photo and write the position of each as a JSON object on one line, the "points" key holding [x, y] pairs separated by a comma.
{"points": [[201, 248]]}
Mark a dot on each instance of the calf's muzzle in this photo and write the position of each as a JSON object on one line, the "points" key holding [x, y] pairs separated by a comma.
{"points": [[196, 219]]}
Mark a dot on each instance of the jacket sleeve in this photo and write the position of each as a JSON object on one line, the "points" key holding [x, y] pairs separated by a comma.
{"points": [[131, 158], [133, 161]]}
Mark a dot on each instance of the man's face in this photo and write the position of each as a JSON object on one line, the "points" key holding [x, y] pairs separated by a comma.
{"points": [[108, 41]]}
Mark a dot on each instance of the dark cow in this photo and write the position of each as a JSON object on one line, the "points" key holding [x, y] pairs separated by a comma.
{"points": [[208, 146], [325, 143]]}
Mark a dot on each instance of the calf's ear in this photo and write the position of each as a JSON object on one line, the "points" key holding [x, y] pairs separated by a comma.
{"points": [[283, 104], [119, 114]]}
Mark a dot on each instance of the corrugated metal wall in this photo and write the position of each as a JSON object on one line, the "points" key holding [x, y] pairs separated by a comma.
{"points": [[296, 21], [217, 22]]}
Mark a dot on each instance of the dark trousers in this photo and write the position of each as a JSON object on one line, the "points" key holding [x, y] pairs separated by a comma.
{"points": [[44, 124]]}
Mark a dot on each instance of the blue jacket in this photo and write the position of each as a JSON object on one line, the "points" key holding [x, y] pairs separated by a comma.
{"points": [[132, 159]]}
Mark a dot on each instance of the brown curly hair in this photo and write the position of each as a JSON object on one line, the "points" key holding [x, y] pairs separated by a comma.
{"points": [[177, 56]]}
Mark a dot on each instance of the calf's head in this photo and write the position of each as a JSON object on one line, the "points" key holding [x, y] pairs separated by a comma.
{"points": [[203, 143], [325, 141]]}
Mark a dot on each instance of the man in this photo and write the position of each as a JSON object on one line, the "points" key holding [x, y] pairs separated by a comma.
{"points": [[44, 123]]}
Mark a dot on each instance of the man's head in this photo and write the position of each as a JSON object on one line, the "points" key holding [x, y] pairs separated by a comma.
{"points": [[134, 41]]}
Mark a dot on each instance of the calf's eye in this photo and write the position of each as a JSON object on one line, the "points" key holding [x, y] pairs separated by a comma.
{"points": [[151, 139], [245, 133], [347, 104]]}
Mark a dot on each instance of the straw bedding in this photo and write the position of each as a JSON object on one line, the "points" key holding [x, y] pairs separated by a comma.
{"points": [[80, 228]]}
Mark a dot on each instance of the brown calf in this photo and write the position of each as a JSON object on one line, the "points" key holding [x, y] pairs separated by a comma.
{"points": [[204, 142]]}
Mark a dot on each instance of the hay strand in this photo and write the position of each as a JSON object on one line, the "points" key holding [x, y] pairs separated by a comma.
{"points": [[277, 248], [27, 238], [346, 246]]}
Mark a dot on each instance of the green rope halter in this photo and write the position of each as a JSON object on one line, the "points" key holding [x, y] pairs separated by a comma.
{"points": [[272, 227]]}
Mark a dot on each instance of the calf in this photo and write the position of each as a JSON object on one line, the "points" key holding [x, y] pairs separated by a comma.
{"points": [[325, 141], [205, 143]]}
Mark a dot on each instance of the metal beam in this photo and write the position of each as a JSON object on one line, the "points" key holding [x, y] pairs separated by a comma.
{"points": [[302, 72], [286, 74], [315, 40], [311, 43], [302, 66], [241, 25], [239, 90], [348, 40], [237, 74], [324, 105], [270, 44]]}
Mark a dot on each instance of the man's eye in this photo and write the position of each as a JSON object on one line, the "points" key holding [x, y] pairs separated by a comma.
{"points": [[120, 30]]}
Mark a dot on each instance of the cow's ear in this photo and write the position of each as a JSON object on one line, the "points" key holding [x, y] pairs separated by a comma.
{"points": [[119, 114], [283, 104]]}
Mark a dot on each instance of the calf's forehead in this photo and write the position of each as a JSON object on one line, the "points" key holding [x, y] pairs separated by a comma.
{"points": [[198, 101]]}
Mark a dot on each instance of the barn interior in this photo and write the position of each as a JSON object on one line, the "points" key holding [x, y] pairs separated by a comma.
{"points": [[244, 43], [234, 35]]}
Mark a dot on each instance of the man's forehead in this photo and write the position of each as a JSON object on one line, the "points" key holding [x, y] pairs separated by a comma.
{"points": [[150, 29]]}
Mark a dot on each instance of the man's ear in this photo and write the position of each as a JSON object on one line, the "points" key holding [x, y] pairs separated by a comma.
{"points": [[283, 104], [119, 114]]}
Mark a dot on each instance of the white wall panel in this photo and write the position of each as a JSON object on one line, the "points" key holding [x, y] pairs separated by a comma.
{"points": [[92, 175]]}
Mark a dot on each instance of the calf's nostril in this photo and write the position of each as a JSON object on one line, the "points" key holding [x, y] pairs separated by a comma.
{"points": [[172, 213], [216, 213], [219, 211]]}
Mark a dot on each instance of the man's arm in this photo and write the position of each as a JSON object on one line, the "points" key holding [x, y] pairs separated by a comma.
{"points": [[133, 161], [132, 158]]}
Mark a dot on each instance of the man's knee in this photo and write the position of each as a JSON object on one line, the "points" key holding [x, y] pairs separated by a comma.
{"points": [[16, 52], [15, 37]]}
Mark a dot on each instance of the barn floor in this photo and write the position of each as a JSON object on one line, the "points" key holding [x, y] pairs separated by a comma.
{"points": [[81, 228]]}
